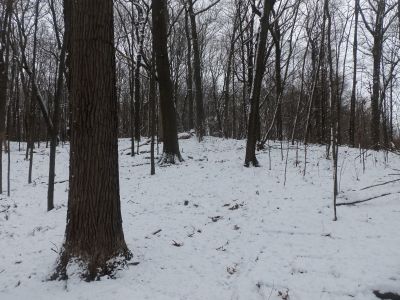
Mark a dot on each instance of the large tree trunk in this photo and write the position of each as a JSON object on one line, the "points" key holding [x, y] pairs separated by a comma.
{"points": [[256, 87], [167, 107], [94, 232]]}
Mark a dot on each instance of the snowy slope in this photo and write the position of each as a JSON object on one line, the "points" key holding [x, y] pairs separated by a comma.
{"points": [[244, 234]]}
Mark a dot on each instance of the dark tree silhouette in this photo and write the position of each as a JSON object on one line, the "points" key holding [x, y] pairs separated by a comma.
{"points": [[94, 232], [251, 158], [168, 112]]}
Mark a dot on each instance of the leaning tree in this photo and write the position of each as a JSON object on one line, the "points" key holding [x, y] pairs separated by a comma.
{"points": [[250, 158], [167, 106]]}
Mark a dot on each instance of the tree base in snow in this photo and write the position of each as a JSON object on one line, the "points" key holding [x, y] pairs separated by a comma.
{"points": [[169, 159], [251, 162], [90, 268]]}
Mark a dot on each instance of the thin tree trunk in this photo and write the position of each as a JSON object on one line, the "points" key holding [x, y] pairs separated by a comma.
{"points": [[251, 158], [300, 99], [140, 24], [333, 102], [152, 103], [32, 109], [278, 80], [56, 114], [354, 85], [227, 130], [189, 72], [4, 60], [197, 73], [54, 132]]}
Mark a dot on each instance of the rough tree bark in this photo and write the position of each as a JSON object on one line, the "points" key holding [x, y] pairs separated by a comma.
{"points": [[167, 107], [94, 232]]}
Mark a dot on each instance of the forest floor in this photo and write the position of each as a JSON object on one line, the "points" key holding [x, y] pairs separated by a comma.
{"points": [[209, 228]]}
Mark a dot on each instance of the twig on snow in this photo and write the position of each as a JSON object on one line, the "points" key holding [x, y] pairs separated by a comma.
{"points": [[365, 200]]}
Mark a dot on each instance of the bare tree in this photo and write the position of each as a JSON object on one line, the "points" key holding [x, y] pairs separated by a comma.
{"points": [[4, 61], [354, 84], [251, 158], [56, 113], [380, 9], [168, 112], [197, 73]]}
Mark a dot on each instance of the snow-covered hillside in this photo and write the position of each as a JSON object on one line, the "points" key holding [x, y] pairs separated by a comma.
{"points": [[210, 228]]}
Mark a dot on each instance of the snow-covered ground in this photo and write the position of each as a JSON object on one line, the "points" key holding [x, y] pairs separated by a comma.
{"points": [[242, 233]]}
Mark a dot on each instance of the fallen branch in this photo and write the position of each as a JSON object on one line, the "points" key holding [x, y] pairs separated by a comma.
{"points": [[389, 295], [6, 208], [365, 200], [138, 165], [157, 231], [62, 181], [379, 184]]}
